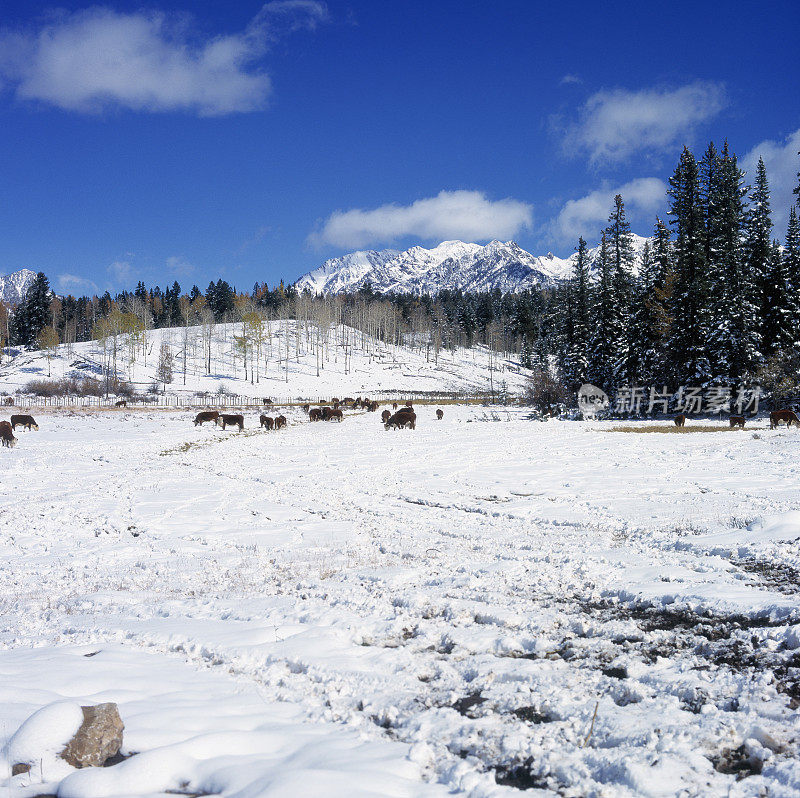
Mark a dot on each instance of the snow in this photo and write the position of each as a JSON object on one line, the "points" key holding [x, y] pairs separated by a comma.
{"points": [[370, 367], [13, 286], [334, 609], [453, 265]]}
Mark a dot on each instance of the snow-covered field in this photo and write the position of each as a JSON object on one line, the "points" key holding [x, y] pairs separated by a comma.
{"points": [[350, 364], [482, 604]]}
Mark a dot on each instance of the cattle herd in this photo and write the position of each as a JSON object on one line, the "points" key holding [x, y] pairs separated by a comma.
{"points": [[397, 418]]}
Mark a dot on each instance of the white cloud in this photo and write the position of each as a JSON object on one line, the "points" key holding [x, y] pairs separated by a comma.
{"points": [[588, 215], [465, 215], [178, 265], [783, 163], [567, 79], [146, 60], [71, 283], [616, 123], [120, 271]]}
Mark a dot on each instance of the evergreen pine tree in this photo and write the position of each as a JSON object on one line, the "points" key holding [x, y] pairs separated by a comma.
{"points": [[620, 249], [690, 305], [603, 350], [792, 258], [661, 304], [577, 350], [33, 314], [758, 245]]}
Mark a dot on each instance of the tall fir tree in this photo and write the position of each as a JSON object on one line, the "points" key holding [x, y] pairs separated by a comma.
{"points": [[758, 245], [33, 314], [661, 303], [690, 305], [792, 257], [778, 322], [620, 248], [602, 348], [577, 351]]}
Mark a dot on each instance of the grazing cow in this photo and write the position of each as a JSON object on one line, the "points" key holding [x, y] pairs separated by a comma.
{"points": [[372, 407], [394, 405], [267, 401], [121, 403], [315, 414], [206, 415], [23, 421], [326, 413], [403, 418], [680, 420], [778, 417], [335, 404], [280, 422], [348, 401], [7, 434], [409, 404], [737, 421], [335, 415], [386, 415], [439, 414], [9, 402], [267, 422], [306, 408], [230, 421]]}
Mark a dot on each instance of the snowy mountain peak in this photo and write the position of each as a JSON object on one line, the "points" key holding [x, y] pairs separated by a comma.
{"points": [[451, 265], [13, 286]]}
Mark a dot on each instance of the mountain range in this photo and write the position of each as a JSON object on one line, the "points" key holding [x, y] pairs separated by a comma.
{"points": [[453, 265], [13, 286]]}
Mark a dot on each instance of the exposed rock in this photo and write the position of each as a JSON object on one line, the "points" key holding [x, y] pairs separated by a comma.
{"points": [[98, 738], [19, 768]]}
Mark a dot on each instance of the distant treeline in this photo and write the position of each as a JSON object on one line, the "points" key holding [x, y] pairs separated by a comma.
{"points": [[713, 300]]}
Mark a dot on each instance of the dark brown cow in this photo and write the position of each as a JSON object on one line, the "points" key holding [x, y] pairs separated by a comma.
{"points": [[335, 415], [23, 421], [267, 422], [9, 402], [778, 417], [226, 420], [409, 404], [280, 422], [206, 415], [7, 434], [737, 421], [121, 403], [439, 414], [348, 401], [372, 407], [306, 408], [326, 413], [267, 401], [386, 415], [394, 405], [357, 403], [402, 418], [315, 414], [335, 404], [680, 420]]}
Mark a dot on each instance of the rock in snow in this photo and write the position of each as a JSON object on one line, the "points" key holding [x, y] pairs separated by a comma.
{"points": [[98, 738]]}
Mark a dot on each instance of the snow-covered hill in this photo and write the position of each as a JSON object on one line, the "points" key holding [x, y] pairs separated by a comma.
{"points": [[13, 286], [453, 265], [347, 364]]}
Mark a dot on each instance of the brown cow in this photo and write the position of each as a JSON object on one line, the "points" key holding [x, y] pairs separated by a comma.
{"points": [[23, 421], [372, 407], [778, 417], [121, 403], [737, 421], [326, 413], [394, 405], [280, 421], [680, 420], [9, 402], [348, 401], [439, 414], [7, 435], [402, 418], [226, 420], [409, 404], [306, 408], [267, 422], [315, 414], [386, 415], [206, 415], [335, 415], [267, 401]]}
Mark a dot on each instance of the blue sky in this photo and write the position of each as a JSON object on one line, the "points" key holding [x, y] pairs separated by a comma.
{"points": [[193, 141]]}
